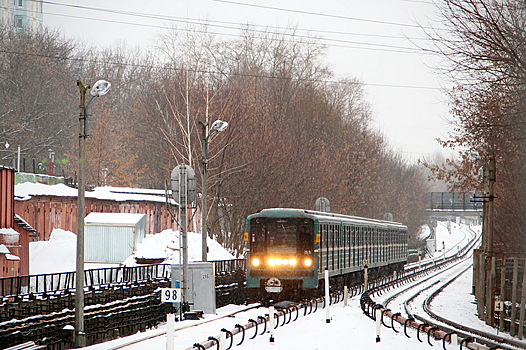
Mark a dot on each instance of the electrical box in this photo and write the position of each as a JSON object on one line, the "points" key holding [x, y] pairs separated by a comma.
{"points": [[201, 285]]}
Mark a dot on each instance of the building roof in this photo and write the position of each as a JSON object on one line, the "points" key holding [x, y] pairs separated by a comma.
{"points": [[26, 190], [113, 218], [4, 249]]}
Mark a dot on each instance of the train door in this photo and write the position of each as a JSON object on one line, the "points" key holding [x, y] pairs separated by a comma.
{"points": [[354, 245]]}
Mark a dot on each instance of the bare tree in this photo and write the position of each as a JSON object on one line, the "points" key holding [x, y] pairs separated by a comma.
{"points": [[35, 73], [485, 47]]}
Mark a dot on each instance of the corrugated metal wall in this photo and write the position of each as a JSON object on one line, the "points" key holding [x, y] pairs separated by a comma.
{"points": [[108, 244], [7, 187]]}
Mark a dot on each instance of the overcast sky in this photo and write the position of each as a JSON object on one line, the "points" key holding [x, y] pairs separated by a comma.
{"points": [[372, 40]]}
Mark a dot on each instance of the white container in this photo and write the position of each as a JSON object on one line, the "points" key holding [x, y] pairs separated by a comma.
{"points": [[112, 237]]}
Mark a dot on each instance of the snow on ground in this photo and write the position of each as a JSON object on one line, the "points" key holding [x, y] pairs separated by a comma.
{"points": [[166, 244], [349, 328], [59, 253]]}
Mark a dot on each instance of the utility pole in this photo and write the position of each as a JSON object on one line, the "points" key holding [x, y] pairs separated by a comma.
{"points": [[204, 188], [206, 136], [489, 196], [100, 88], [80, 336], [487, 239], [183, 191]]}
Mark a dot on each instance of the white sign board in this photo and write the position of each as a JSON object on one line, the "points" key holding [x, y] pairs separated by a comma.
{"points": [[499, 306], [171, 295]]}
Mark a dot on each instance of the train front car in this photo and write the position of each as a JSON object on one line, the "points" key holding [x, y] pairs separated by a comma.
{"points": [[281, 245]]}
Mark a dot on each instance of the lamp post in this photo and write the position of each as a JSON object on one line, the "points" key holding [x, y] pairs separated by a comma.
{"points": [[206, 136], [100, 88]]}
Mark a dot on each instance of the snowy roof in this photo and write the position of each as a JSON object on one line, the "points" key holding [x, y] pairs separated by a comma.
{"points": [[113, 218], [11, 257], [8, 231], [26, 190], [9, 236], [4, 249]]}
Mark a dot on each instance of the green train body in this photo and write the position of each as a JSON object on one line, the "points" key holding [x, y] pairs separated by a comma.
{"points": [[289, 249]]}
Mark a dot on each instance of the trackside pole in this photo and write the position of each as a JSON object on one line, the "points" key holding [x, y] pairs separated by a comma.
{"points": [[378, 324], [345, 295], [170, 331], [222, 341], [271, 316], [327, 298]]}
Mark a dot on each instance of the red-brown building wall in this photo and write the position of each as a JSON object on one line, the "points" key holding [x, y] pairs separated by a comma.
{"points": [[9, 268], [7, 188], [44, 213]]}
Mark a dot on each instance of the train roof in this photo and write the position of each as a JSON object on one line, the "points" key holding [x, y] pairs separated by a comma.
{"points": [[293, 212]]}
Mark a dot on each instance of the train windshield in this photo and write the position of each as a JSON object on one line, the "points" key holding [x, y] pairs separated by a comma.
{"points": [[281, 235]]}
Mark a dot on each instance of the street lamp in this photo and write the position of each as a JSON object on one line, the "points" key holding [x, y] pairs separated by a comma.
{"points": [[206, 136], [100, 88]]}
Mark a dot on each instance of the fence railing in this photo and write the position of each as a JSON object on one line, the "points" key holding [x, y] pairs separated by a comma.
{"points": [[453, 201], [47, 283], [499, 283]]}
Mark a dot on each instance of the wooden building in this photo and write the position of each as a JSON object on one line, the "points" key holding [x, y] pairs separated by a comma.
{"points": [[35, 213], [10, 248]]}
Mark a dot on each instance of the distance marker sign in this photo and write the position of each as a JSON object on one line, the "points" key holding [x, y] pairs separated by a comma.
{"points": [[171, 295]]}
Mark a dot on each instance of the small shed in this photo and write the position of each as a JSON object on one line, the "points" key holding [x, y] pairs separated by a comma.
{"points": [[112, 237]]}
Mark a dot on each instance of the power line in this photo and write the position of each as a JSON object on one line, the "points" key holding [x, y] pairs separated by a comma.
{"points": [[208, 22], [212, 72], [376, 47], [325, 15], [387, 48]]}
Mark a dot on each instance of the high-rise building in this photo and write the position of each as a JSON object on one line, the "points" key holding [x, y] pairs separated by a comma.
{"points": [[21, 13]]}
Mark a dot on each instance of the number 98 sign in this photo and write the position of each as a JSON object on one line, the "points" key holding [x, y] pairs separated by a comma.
{"points": [[171, 295]]}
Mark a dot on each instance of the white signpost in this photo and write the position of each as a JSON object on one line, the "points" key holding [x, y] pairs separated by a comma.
{"points": [[170, 295]]}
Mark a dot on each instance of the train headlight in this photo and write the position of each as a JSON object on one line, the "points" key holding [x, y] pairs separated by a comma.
{"points": [[307, 262], [256, 262], [290, 262]]}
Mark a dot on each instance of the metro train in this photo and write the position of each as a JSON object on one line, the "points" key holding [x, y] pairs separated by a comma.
{"points": [[288, 251]]}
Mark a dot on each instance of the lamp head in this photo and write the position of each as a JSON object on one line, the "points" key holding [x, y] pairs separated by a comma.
{"points": [[218, 126], [100, 88]]}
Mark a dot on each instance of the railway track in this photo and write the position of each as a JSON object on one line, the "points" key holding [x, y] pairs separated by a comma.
{"points": [[397, 304], [428, 274]]}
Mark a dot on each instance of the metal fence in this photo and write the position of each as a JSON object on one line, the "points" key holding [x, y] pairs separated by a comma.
{"points": [[499, 283], [48, 283]]}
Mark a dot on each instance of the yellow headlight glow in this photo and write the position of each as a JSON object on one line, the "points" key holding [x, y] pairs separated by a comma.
{"points": [[282, 262], [256, 262], [307, 262]]}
